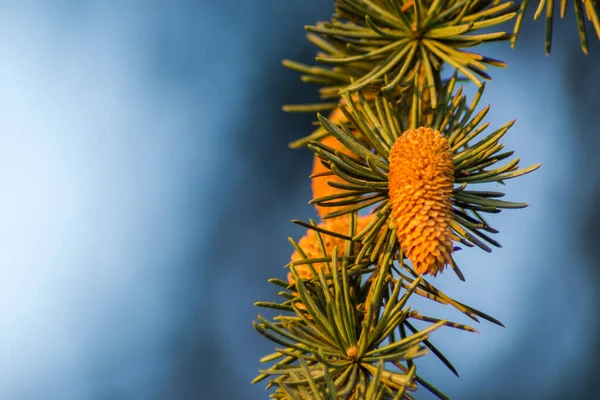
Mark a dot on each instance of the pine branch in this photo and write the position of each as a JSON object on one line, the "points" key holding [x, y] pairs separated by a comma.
{"points": [[369, 40], [393, 174], [336, 343]]}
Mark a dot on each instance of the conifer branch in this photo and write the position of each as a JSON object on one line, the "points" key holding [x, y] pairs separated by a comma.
{"points": [[398, 163]]}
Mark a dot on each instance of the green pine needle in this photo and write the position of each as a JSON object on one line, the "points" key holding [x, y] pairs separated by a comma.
{"points": [[582, 7]]}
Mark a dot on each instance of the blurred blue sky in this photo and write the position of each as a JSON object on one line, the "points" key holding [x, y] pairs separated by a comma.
{"points": [[146, 192]]}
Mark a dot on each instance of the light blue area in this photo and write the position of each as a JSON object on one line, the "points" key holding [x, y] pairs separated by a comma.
{"points": [[102, 154]]}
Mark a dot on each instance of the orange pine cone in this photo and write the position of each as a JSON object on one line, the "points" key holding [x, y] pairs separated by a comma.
{"points": [[421, 181], [310, 243], [320, 188], [337, 116]]}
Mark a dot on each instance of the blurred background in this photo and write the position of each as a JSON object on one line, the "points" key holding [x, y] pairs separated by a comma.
{"points": [[146, 190]]}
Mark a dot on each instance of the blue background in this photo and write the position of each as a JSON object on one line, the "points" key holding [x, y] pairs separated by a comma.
{"points": [[146, 190]]}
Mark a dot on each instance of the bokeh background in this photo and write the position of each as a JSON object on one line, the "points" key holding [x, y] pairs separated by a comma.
{"points": [[146, 190]]}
